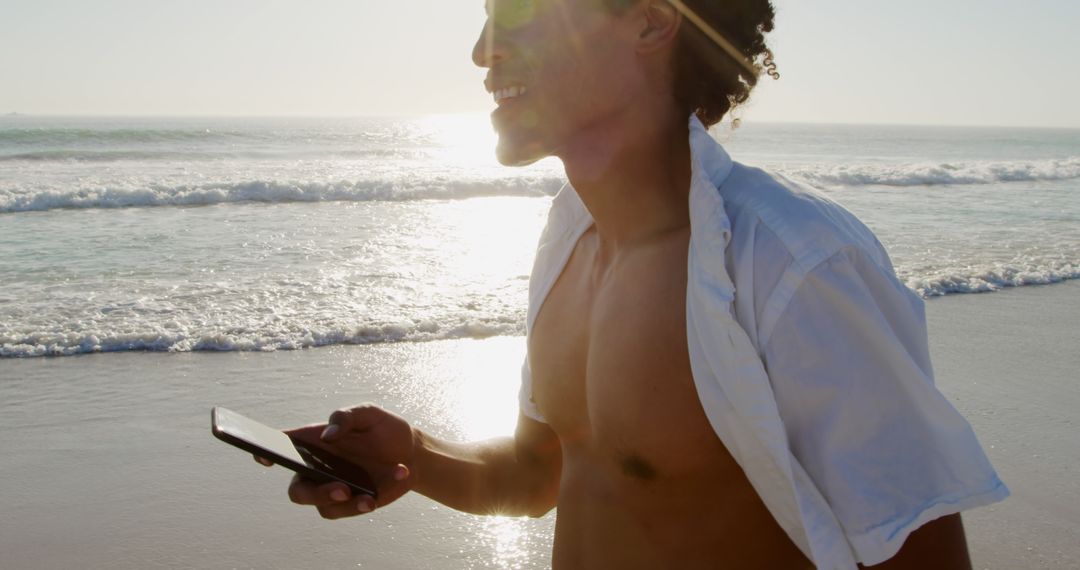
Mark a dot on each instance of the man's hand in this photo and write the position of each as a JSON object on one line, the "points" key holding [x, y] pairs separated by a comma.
{"points": [[377, 440], [505, 475]]}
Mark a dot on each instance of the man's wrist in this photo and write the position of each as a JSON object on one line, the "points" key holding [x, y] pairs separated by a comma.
{"points": [[418, 458]]}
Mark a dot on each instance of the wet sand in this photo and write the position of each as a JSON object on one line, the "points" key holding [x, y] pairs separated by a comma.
{"points": [[1010, 362], [109, 460], [109, 463]]}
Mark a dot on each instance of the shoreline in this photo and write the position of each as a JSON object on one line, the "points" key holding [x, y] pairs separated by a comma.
{"points": [[930, 299]]}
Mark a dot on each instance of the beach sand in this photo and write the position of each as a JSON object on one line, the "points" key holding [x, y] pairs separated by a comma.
{"points": [[1009, 361], [108, 461]]}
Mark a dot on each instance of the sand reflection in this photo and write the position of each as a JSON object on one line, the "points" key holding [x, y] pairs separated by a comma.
{"points": [[484, 403], [508, 539]]}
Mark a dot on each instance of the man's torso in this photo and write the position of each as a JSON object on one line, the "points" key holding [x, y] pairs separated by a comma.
{"points": [[645, 482]]}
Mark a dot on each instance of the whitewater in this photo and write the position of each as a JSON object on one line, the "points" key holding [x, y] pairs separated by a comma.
{"points": [[158, 234]]}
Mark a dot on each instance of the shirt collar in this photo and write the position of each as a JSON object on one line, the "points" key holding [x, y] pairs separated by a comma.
{"points": [[710, 159]]}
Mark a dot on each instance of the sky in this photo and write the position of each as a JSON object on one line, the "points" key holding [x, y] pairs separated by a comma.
{"points": [[926, 62]]}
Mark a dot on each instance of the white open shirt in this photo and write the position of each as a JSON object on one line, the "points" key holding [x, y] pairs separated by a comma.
{"points": [[810, 359]]}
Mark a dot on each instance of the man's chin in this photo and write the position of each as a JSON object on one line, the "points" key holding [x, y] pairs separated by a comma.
{"points": [[510, 153]]}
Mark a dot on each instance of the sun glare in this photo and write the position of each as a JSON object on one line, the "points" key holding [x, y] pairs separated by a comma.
{"points": [[486, 403], [508, 539], [465, 139]]}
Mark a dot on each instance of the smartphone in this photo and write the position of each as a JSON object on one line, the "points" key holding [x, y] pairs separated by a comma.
{"points": [[310, 462]]}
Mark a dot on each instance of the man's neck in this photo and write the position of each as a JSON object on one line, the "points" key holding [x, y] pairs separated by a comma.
{"points": [[633, 175]]}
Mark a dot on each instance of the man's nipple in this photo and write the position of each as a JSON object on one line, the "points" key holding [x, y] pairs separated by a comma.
{"points": [[637, 467]]}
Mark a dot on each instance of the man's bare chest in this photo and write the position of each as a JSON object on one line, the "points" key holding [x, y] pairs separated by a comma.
{"points": [[644, 475], [610, 366]]}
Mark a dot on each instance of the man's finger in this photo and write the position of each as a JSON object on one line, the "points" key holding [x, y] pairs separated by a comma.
{"points": [[359, 418], [304, 492], [349, 509], [263, 461], [307, 434]]}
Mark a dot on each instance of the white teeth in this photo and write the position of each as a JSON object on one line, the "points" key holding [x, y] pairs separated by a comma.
{"points": [[508, 93]]}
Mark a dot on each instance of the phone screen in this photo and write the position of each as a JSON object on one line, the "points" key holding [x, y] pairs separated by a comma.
{"points": [[314, 463]]}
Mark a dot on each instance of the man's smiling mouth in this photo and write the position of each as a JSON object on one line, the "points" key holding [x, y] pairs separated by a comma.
{"points": [[506, 93]]}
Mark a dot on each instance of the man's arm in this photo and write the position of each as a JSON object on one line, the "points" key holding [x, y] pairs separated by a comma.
{"points": [[936, 544], [509, 476], [512, 475]]}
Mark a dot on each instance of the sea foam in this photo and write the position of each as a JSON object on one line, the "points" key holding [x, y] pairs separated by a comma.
{"points": [[938, 174], [66, 342], [121, 195], [74, 337], [984, 280]]}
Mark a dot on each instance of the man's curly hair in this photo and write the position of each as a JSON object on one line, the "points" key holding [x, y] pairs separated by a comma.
{"points": [[710, 81]]}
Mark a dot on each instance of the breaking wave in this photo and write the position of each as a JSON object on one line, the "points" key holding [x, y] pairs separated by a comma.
{"points": [[69, 343], [275, 191], [938, 174], [995, 278], [68, 339]]}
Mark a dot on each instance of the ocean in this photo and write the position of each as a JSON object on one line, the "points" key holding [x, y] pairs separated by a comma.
{"points": [[243, 234], [200, 254]]}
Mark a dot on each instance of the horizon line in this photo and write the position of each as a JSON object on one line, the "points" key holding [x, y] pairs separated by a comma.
{"points": [[726, 123]]}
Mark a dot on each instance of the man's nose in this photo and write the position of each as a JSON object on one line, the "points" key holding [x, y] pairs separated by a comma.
{"points": [[489, 49]]}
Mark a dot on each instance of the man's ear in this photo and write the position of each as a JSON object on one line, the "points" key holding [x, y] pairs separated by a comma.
{"points": [[660, 23]]}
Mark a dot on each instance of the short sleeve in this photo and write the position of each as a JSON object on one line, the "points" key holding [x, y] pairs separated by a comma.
{"points": [[525, 399], [849, 364]]}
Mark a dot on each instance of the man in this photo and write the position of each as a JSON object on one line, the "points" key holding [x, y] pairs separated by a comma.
{"points": [[723, 370]]}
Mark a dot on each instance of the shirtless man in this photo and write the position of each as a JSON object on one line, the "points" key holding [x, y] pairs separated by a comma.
{"points": [[615, 434]]}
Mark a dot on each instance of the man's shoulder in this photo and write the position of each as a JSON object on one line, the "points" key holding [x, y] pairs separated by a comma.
{"points": [[807, 225]]}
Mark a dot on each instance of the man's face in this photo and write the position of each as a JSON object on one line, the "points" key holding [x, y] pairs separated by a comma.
{"points": [[556, 68]]}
